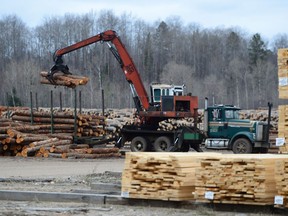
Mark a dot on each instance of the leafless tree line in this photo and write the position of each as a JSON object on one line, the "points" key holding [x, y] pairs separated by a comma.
{"points": [[227, 65]]}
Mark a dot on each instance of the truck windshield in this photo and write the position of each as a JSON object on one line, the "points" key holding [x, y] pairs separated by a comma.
{"points": [[231, 114]]}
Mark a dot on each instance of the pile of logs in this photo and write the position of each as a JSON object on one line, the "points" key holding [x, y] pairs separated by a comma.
{"points": [[63, 122], [18, 137], [206, 177], [70, 81]]}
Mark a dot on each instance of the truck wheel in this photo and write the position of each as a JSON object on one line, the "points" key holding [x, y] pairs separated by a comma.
{"points": [[242, 146], [139, 144], [162, 144]]}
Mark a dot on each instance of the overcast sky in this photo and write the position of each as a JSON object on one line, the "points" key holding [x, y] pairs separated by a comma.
{"points": [[267, 17]]}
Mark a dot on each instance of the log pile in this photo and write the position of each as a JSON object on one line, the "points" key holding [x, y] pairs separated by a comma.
{"points": [[283, 73], [18, 137], [70, 81], [63, 122]]}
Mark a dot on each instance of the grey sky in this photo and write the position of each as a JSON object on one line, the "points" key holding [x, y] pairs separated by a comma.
{"points": [[267, 17]]}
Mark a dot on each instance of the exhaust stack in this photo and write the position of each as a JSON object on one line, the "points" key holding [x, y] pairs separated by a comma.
{"points": [[206, 116]]}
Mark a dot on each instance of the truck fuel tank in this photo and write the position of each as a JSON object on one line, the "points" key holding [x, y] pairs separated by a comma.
{"points": [[216, 143]]}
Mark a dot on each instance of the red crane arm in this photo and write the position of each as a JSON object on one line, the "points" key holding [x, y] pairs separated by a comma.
{"points": [[130, 71]]}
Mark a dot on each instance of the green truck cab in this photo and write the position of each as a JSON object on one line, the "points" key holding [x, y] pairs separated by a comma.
{"points": [[225, 130]]}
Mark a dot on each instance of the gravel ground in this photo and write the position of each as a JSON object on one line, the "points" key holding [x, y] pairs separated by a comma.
{"points": [[68, 175]]}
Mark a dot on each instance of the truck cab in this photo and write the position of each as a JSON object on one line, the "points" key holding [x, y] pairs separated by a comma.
{"points": [[225, 130]]}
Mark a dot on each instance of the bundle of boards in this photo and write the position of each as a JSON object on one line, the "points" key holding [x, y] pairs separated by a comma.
{"points": [[205, 177]]}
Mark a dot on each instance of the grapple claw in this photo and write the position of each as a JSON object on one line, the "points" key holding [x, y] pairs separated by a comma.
{"points": [[57, 69]]}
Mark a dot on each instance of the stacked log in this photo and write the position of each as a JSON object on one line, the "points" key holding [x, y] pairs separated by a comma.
{"points": [[63, 122], [70, 81], [19, 138]]}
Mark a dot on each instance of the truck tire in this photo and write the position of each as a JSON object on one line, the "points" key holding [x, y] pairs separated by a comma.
{"points": [[162, 144], [242, 146], [138, 144]]}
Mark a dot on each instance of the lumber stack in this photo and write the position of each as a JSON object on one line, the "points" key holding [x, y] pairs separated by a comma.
{"points": [[283, 128], [281, 176], [163, 176], [237, 179], [283, 73], [206, 177], [67, 80]]}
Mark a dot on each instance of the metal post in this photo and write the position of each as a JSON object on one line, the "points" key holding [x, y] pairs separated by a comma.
{"points": [[102, 91], [31, 108], [36, 101], [80, 104], [75, 115], [103, 102], [60, 101], [51, 110], [270, 105]]}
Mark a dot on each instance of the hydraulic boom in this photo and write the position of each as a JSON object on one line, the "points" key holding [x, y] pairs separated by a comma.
{"points": [[165, 102], [139, 93]]}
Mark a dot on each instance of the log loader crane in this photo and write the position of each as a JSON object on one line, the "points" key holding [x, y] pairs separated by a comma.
{"points": [[166, 102], [223, 130]]}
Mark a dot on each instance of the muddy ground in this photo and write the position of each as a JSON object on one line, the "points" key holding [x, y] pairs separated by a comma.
{"points": [[70, 175]]}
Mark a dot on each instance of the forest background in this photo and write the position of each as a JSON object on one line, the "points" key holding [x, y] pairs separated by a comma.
{"points": [[227, 65]]}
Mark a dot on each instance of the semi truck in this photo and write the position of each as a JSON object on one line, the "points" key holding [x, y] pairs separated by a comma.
{"points": [[168, 102]]}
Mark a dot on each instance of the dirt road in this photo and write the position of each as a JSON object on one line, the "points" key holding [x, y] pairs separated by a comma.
{"points": [[45, 167]]}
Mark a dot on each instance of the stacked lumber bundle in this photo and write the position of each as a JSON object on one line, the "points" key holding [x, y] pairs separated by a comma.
{"points": [[163, 176], [283, 128], [237, 179], [70, 81], [206, 177], [283, 73], [281, 176]]}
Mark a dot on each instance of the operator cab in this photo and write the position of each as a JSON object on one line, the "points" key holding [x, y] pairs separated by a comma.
{"points": [[167, 98], [158, 90]]}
